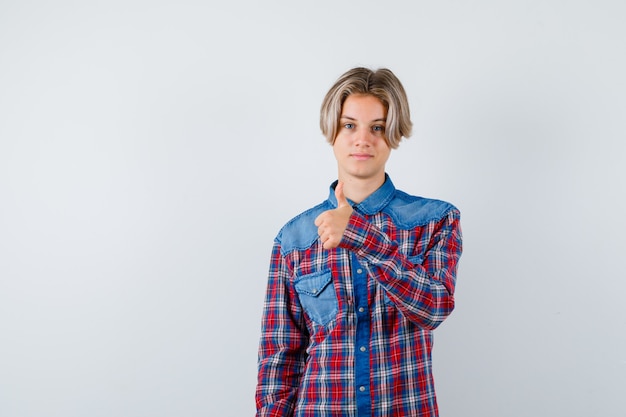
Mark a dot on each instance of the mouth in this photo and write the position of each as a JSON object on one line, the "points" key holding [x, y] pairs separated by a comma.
{"points": [[361, 156]]}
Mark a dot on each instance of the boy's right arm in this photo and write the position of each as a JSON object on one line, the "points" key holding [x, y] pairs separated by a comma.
{"points": [[282, 348]]}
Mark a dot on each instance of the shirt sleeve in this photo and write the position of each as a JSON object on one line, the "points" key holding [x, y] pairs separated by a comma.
{"points": [[282, 348], [423, 292]]}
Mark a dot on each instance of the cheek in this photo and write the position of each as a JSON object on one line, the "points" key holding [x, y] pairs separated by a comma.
{"points": [[340, 143], [382, 147], [336, 149], [385, 152]]}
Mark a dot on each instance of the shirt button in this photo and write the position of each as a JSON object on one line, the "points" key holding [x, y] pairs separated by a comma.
{"points": [[361, 388], [361, 309], [359, 271], [363, 349]]}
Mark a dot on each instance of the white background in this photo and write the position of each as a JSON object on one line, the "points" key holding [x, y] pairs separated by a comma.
{"points": [[151, 150]]}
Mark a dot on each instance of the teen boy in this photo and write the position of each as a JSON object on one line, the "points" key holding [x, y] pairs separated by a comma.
{"points": [[358, 283]]}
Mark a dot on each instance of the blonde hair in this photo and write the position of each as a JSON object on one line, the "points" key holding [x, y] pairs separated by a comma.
{"points": [[383, 85]]}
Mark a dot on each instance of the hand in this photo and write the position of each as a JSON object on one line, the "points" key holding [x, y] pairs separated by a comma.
{"points": [[332, 223]]}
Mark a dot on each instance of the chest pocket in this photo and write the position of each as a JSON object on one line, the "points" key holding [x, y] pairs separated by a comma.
{"points": [[317, 296]]}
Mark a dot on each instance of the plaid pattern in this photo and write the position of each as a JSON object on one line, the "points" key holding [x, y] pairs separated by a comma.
{"points": [[348, 331]]}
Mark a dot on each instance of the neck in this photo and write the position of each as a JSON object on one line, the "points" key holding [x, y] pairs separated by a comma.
{"points": [[358, 190]]}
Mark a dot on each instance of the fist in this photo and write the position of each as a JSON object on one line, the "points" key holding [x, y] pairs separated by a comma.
{"points": [[332, 223]]}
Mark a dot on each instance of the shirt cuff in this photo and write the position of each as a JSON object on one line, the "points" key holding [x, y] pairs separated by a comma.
{"points": [[365, 239]]}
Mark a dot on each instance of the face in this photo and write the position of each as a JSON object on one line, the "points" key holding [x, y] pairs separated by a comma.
{"points": [[360, 146]]}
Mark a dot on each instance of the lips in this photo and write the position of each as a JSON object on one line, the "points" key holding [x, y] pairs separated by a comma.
{"points": [[361, 156]]}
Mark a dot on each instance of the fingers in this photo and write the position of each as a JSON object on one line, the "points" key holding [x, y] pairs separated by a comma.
{"points": [[331, 224], [327, 233], [330, 244], [329, 241], [342, 201]]}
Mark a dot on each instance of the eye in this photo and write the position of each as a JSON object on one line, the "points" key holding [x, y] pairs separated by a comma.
{"points": [[378, 129], [348, 125]]}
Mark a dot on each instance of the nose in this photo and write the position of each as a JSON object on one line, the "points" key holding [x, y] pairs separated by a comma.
{"points": [[363, 138]]}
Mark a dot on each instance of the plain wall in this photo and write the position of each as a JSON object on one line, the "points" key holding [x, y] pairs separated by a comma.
{"points": [[150, 151]]}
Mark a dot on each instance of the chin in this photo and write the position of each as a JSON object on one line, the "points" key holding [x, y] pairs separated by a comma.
{"points": [[363, 175]]}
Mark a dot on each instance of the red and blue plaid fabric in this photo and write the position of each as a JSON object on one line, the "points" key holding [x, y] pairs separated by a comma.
{"points": [[348, 331]]}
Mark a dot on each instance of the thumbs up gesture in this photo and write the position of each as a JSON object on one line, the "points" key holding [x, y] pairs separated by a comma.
{"points": [[332, 223]]}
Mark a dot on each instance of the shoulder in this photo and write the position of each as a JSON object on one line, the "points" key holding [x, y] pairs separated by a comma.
{"points": [[410, 211], [300, 232]]}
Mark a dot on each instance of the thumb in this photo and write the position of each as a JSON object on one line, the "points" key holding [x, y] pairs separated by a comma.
{"points": [[341, 198]]}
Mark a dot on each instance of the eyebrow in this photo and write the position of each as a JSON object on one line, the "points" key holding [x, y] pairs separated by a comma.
{"points": [[352, 118]]}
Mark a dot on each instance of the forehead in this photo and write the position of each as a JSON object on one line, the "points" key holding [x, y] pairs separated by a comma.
{"points": [[363, 107]]}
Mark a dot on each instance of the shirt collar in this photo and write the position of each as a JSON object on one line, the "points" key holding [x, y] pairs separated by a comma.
{"points": [[372, 204]]}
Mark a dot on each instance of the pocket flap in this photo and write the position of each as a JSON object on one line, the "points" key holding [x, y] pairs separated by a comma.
{"points": [[313, 284]]}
